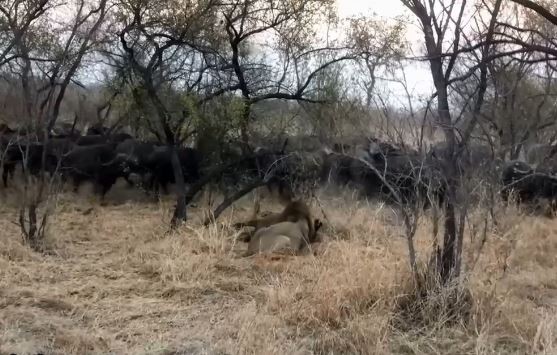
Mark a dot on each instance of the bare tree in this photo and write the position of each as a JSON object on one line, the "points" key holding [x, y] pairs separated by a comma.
{"points": [[179, 67], [291, 27], [46, 64], [379, 46], [541, 9], [442, 24], [526, 75]]}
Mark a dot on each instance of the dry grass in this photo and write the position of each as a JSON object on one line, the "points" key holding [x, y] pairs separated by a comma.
{"points": [[116, 282]]}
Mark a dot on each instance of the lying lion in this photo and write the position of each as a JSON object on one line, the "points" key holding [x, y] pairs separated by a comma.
{"points": [[290, 230]]}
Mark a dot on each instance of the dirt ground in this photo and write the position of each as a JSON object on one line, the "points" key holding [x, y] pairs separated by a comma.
{"points": [[114, 281]]}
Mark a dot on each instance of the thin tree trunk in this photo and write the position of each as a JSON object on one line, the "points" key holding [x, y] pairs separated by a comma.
{"points": [[244, 125], [180, 214], [448, 255]]}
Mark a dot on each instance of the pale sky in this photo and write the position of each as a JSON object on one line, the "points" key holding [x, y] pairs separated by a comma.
{"points": [[386, 8], [417, 74]]}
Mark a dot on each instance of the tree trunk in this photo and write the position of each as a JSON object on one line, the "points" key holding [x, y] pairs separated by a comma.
{"points": [[449, 164], [180, 214], [244, 125], [29, 228], [449, 258], [33, 237], [449, 254]]}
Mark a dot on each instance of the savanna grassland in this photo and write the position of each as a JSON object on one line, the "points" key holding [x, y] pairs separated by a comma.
{"points": [[113, 280]]}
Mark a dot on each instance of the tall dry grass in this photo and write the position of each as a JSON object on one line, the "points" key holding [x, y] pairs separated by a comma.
{"points": [[116, 282]]}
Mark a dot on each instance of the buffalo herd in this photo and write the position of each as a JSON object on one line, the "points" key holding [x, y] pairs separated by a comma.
{"points": [[97, 158], [375, 167]]}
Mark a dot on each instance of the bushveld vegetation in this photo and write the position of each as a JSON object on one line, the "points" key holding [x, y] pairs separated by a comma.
{"points": [[434, 209]]}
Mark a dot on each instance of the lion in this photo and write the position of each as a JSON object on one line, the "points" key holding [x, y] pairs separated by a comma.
{"points": [[292, 229]]}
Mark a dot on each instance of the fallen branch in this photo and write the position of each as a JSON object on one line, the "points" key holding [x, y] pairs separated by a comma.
{"points": [[229, 201], [216, 173]]}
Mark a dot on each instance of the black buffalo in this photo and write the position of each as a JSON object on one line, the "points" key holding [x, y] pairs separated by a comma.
{"points": [[5, 129], [9, 160], [472, 159], [30, 153], [97, 130], [14, 150], [149, 159], [290, 172], [388, 171], [8, 153], [406, 173], [97, 139], [159, 163], [64, 130], [338, 168], [118, 138], [95, 163], [91, 140], [528, 184], [135, 155]]}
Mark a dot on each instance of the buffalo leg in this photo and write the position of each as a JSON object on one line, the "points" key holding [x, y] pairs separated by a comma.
{"points": [[164, 186], [105, 187], [152, 184], [146, 184], [5, 173], [77, 180], [9, 171], [155, 188]]}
